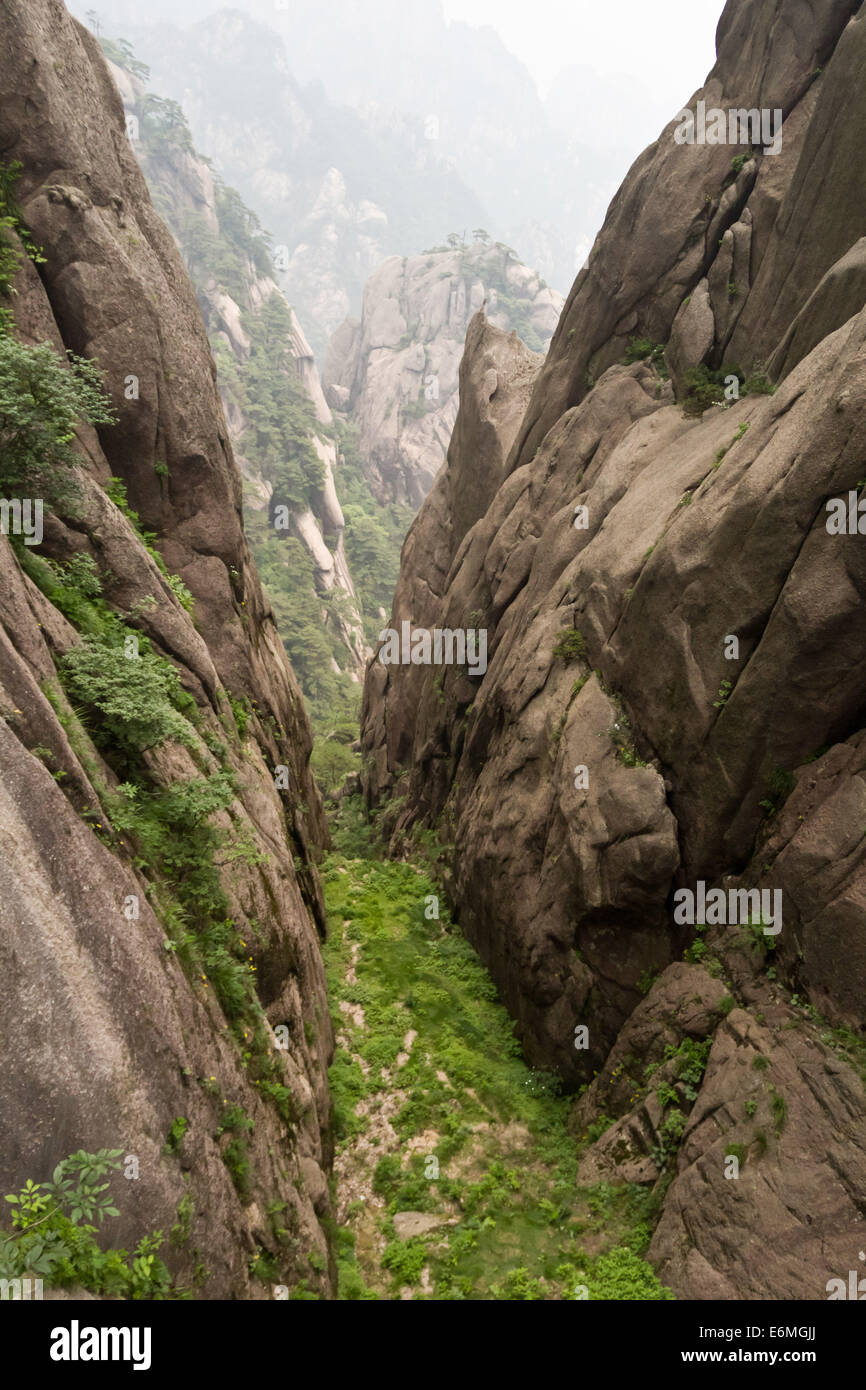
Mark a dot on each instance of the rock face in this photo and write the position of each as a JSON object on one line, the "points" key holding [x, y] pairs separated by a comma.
{"points": [[339, 188], [674, 649], [394, 373], [185, 192], [115, 1039]]}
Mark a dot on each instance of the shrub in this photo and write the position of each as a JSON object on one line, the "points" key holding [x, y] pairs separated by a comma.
{"points": [[51, 1242], [780, 1109], [569, 645], [42, 399], [757, 383], [139, 698], [754, 936], [405, 1259], [691, 1058], [623, 745], [242, 713], [779, 788], [644, 350], [179, 1127], [236, 1159], [598, 1128], [518, 1287], [621, 1275], [703, 389], [180, 591]]}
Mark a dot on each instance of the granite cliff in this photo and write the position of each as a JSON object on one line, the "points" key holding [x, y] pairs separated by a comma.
{"points": [[675, 688], [162, 910], [393, 373]]}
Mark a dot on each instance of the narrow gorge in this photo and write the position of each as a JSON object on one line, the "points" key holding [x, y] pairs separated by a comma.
{"points": [[338, 976]]}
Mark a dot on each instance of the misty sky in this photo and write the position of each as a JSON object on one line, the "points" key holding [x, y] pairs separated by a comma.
{"points": [[668, 43]]}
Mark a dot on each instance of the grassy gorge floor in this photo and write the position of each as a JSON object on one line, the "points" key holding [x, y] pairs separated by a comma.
{"points": [[455, 1173]]}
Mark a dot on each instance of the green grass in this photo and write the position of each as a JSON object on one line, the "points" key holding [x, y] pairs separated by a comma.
{"points": [[519, 1225]]}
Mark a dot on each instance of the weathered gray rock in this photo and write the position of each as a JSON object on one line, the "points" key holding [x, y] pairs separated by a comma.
{"points": [[415, 1223], [395, 373], [113, 1040], [692, 334], [663, 228], [838, 296], [791, 1221], [674, 643]]}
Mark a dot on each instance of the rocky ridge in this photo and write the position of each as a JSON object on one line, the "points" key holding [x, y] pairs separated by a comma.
{"points": [[116, 1042], [394, 372], [184, 186], [339, 189], [619, 747]]}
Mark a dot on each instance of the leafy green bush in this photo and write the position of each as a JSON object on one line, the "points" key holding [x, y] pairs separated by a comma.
{"points": [[405, 1259], [54, 1234], [242, 713], [779, 787], [622, 1275], [754, 936], [706, 387], [140, 699], [518, 1287], [645, 350], [173, 837], [350, 1281], [181, 592], [598, 1128], [179, 1127], [695, 953], [703, 389], [42, 400], [780, 1109], [74, 588], [757, 383], [691, 1058]]}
